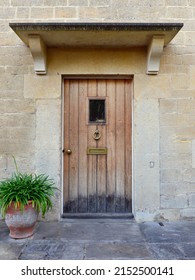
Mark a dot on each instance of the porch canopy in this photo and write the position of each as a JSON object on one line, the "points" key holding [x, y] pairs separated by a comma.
{"points": [[40, 36]]}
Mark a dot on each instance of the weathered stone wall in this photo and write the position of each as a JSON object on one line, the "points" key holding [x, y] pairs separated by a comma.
{"points": [[164, 105]]}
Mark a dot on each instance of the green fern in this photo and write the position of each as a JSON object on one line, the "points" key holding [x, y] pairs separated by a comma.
{"points": [[23, 187]]}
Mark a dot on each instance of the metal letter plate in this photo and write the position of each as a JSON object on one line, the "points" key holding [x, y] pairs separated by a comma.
{"points": [[97, 151]]}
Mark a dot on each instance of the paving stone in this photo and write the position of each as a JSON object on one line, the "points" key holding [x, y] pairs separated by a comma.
{"points": [[189, 250], [126, 231], [154, 233], [47, 249], [166, 251], [4, 232], [10, 251], [117, 251], [102, 239]]}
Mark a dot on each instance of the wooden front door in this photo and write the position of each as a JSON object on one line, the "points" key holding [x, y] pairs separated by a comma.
{"points": [[97, 145]]}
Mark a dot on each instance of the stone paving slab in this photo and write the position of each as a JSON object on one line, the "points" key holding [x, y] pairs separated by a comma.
{"points": [[113, 251], [104, 239]]}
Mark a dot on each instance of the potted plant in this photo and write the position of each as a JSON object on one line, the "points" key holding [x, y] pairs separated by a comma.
{"points": [[22, 197]]}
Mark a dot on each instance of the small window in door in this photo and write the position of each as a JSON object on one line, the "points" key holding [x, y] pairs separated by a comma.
{"points": [[97, 112]]}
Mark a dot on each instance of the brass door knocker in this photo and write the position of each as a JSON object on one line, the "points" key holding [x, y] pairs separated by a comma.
{"points": [[97, 135]]}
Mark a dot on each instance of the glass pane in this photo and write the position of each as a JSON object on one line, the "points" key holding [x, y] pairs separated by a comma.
{"points": [[97, 111]]}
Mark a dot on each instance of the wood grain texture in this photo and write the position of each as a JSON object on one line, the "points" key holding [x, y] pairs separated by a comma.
{"points": [[98, 183]]}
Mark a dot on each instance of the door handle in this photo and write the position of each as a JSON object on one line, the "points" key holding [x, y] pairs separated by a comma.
{"points": [[68, 151]]}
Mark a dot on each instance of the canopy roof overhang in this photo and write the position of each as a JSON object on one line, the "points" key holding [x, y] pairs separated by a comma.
{"points": [[40, 36]]}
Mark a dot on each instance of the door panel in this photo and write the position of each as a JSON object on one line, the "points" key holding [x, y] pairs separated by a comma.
{"points": [[97, 183]]}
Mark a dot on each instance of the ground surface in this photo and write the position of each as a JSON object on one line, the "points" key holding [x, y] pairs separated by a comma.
{"points": [[103, 239]]}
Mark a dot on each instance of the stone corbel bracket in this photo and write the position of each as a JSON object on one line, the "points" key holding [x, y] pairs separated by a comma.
{"points": [[39, 52], [155, 51]]}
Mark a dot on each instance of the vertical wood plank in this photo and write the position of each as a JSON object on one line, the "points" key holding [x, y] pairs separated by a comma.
{"points": [[120, 142], [128, 146], [101, 159], [82, 202], [74, 159], [66, 144], [92, 164], [98, 183], [111, 142]]}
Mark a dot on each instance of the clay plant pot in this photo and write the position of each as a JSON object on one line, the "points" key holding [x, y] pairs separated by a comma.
{"points": [[21, 223]]}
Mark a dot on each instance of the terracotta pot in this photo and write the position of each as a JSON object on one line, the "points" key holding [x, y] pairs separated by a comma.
{"points": [[21, 223]]}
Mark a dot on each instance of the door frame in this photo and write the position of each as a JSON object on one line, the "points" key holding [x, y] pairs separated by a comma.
{"points": [[105, 77]]}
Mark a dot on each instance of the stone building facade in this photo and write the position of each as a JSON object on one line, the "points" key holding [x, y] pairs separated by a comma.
{"points": [[163, 105]]}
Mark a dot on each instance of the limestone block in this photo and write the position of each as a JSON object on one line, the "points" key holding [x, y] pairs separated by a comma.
{"points": [[192, 75], [39, 87], [190, 38], [146, 179], [170, 214], [146, 113], [180, 81], [192, 199], [4, 27], [191, 2], [174, 189], [143, 215], [169, 120], [48, 128], [179, 12], [41, 13], [25, 163], [168, 106], [120, 3], [17, 106], [186, 106], [2, 69], [78, 3], [193, 153], [183, 120], [19, 147], [55, 3], [101, 3], [24, 3], [17, 120], [187, 213], [178, 202], [179, 161], [48, 161], [11, 82], [182, 93], [7, 12], [2, 165], [172, 58], [23, 12], [17, 133], [101, 13], [157, 86], [170, 189], [185, 133], [66, 12], [170, 175], [172, 68], [188, 59], [176, 2]]}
